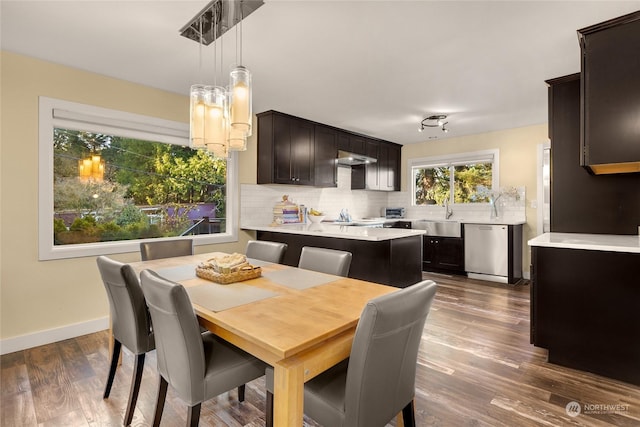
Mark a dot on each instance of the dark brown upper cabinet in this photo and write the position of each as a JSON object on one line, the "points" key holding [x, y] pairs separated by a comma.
{"points": [[384, 175], [296, 151], [389, 167], [326, 152], [286, 152], [582, 202], [610, 95], [351, 142]]}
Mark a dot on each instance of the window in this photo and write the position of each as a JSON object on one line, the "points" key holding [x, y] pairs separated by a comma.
{"points": [[109, 179], [462, 178]]}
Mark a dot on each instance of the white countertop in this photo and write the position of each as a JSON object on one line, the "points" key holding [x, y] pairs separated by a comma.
{"points": [[499, 221], [338, 231], [593, 242]]}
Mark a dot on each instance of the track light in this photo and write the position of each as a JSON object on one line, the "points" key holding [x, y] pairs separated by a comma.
{"points": [[434, 121]]}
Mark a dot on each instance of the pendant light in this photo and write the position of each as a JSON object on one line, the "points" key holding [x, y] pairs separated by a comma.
{"points": [[198, 98], [198, 113], [91, 168], [217, 128], [240, 94], [221, 119]]}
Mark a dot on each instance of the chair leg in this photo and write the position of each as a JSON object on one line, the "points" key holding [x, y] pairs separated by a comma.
{"points": [[115, 355], [135, 388], [268, 410], [162, 394], [409, 415], [194, 416], [241, 393]]}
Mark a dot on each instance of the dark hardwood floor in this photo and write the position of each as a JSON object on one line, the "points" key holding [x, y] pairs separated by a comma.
{"points": [[476, 368]]}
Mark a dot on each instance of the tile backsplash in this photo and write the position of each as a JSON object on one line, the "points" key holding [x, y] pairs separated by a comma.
{"points": [[257, 202]]}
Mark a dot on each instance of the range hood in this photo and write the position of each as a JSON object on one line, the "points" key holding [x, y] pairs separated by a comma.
{"points": [[352, 159]]}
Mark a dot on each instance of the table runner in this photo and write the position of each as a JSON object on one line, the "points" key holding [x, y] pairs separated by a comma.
{"points": [[297, 278], [177, 274], [216, 297]]}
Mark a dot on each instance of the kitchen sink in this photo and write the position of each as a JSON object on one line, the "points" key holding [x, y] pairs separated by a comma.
{"points": [[440, 228]]}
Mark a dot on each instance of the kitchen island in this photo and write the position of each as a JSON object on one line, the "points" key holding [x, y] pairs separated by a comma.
{"points": [[390, 256], [585, 302]]}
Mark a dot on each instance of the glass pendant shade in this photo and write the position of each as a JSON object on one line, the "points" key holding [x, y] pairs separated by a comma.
{"points": [[237, 140], [240, 111], [198, 97], [216, 122]]}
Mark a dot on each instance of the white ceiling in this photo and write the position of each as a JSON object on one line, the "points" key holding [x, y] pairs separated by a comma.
{"points": [[375, 67]]}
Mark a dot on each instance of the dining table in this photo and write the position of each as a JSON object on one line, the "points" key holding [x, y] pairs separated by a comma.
{"points": [[301, 322]]}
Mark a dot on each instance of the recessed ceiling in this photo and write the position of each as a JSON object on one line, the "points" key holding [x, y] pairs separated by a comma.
{"points": [[375, 67]]}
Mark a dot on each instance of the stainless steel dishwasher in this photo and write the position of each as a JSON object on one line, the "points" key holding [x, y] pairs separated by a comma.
{"points": [[486, 252]]}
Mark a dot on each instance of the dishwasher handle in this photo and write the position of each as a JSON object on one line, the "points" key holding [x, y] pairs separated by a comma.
{"points": [[490, 227]]}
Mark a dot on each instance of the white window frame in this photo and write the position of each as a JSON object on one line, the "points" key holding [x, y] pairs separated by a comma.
{"points": [[71, 115], [483, 156], [543, 178]]}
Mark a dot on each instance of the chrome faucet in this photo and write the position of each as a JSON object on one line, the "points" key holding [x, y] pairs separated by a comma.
{"points": [[447, 211]]}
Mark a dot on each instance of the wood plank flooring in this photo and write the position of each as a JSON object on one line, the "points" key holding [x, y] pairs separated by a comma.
{"points": [[475, 368]]}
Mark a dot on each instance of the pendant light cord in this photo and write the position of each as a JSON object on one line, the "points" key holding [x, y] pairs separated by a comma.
{"points": [[241, 19], [215, 44], [200, 53]]}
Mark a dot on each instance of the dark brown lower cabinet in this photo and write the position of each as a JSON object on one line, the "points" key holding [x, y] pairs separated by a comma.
{"points": [[585, 309], [443, 254], [395, 262]]}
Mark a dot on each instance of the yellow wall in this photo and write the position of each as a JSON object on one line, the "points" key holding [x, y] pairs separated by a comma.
{"points": [[40, 295], [518, 159]]}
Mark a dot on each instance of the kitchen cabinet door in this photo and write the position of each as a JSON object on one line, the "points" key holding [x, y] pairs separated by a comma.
{"points": [[389, 167], [384, 175], [372, 178], [303, 150], [582, 202], [286, 151], [610, 95], [443, 254], [326, 151], [351, 143]]}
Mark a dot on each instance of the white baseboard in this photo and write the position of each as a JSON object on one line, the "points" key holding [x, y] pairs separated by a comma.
{"points": [[526, 275], [49, 336]]}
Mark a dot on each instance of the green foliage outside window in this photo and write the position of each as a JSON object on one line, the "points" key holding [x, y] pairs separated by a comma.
{"points": [[467, 180], [148, 189], [433, 184]]}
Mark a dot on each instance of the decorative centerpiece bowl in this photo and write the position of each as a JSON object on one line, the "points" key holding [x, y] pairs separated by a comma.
{"points": [[316, 219]]}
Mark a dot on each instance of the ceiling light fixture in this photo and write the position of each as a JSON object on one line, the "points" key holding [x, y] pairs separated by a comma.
{"points": [[434, 121], [220, 117]]}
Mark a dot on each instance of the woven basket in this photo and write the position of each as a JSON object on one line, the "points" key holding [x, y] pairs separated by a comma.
{"points": [[245, 273]]}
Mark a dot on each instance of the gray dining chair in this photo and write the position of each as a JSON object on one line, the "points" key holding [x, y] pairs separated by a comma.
{"points": [[197, 366], [377, 381], [130, 324], [165, 249], [266, 251], [328, 261]]}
